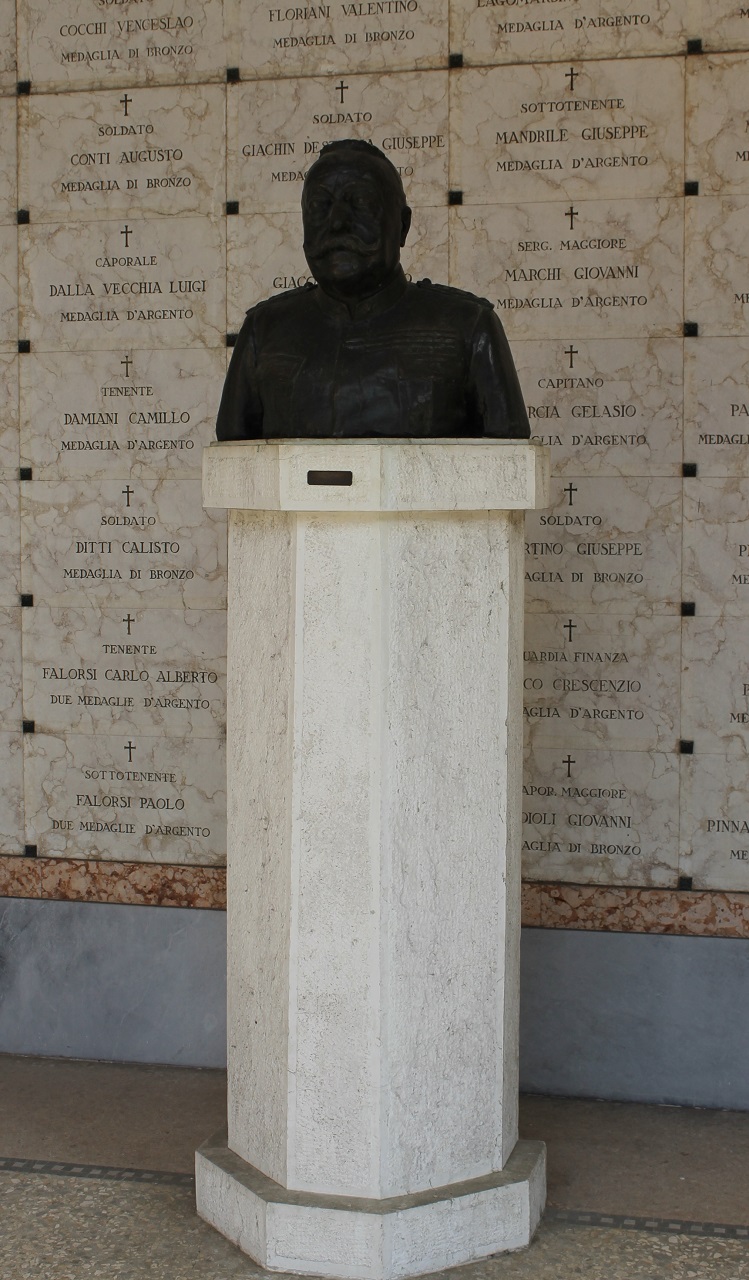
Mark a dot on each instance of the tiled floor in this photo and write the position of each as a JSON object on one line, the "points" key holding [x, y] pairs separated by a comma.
{"points": [[674, 1182]]}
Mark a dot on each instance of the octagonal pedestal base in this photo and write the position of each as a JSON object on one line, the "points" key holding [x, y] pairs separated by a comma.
{"points": [[360, 1239]]}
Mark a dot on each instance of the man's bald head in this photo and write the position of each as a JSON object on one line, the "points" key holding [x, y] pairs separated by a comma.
{"points": [[355, 218]]}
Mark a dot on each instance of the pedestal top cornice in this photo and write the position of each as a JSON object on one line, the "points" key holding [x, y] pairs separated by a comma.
{"points": [[376, 475]]}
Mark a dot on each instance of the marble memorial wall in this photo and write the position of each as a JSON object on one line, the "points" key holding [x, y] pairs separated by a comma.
{"points": [[584, 164]]}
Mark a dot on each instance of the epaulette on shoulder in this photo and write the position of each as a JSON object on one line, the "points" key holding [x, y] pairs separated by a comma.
{"points": [[455, 293], [278, 299]]}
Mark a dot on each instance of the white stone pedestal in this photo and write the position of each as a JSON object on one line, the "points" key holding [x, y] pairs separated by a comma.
{"points": [[375, 750]]}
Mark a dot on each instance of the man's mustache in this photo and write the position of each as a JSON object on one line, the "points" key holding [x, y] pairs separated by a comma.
{"points": [[334, 244]]}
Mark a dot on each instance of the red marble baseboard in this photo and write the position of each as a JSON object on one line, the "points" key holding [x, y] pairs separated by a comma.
{"points": [[133, 883], [703, 913]]}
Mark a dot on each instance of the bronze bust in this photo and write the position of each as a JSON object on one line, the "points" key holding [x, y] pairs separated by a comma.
{"points": [[364, 352]]}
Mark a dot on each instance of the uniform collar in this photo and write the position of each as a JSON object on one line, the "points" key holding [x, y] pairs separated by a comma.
{"points": [[367, 308]]}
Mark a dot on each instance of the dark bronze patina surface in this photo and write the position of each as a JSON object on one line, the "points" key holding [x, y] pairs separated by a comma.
{"points": [[364, 352]]}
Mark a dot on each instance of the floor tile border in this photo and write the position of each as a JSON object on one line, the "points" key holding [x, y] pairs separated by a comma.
{"points": [[106, 1173], [665, 1226], [573, 1217]]}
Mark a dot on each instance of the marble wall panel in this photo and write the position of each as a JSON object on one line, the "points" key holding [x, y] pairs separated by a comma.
{"points": [[139, 283], [264, 256], [10, 669], [81, 44], [8, 288], [345, 36], [601, 817], [111, 544], [277, 127], [608, 543], [106, 154], [564, 269], [502, 31], [597, 681], [11, 792], [9, 440], [8, 73], [605, 408], [94, 415], [146, 671], [10, 560], [716, 264], [716, 546], [715, 822], [716, 405], [715, 685], [8, 177], [528, 133], [149, 799], [717, 138], [723, 24]]}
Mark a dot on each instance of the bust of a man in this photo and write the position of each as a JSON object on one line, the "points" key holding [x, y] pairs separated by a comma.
{"points": [[364, 352]]}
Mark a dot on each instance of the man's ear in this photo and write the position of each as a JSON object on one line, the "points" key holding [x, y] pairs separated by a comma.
{"points": [[405, 223]]}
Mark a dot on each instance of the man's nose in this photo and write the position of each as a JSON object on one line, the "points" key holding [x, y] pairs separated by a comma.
{"points": [[339, 215]]}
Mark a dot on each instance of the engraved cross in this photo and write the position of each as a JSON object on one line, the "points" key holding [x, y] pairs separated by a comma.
{"points": [[571, 351], [342, 89], [571, 488], [126, 362], [569, 763], [571, 214], [125, 102], [130, 749], [128, 622], [569, 627], [571, 75], [128, 493], [126, 232]]}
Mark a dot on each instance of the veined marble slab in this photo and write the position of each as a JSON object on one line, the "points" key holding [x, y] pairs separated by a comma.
{"points": [[105, 154], [504, 31], [10, 561], [715, 685], [277, 128], [9, 417], [86, 45], [11, 792], [574, 269], [723, 24], [716, 546], [143, 799], [129, 413], [608, 543], [543, 131], [147, 671], [605, 408], [716, 266], [717, 139], [264, 256], [345, 36], [11, 712], [8, 288], [714, 822], [133, 282], [8, 73], [716, 405], [599, 680], [601, 817], [9, 202], [110, 543]]}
